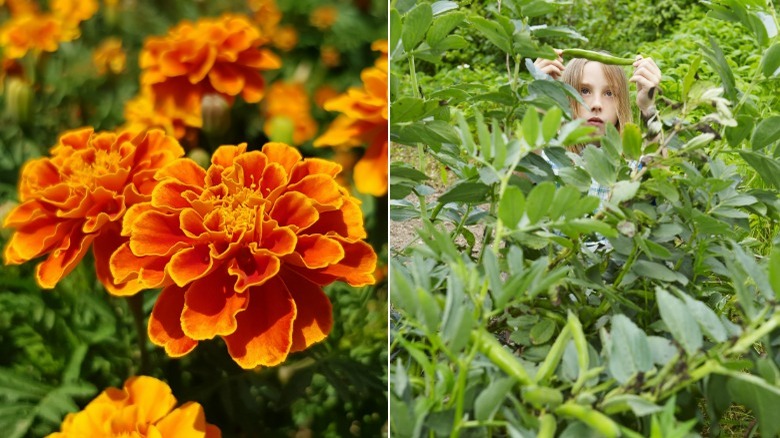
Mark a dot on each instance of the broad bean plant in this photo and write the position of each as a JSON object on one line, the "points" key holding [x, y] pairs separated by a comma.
{"points": [[528, 308]]}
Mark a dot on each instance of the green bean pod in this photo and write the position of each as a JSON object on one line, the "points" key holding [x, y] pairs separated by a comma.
{"points": [[591, 417], [547, 426], [596, 56], [502, 358]]}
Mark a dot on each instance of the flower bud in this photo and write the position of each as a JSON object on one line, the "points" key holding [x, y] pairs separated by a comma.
{"points": [[216, 114], [18, 99], [281, 129], [200, 156]]}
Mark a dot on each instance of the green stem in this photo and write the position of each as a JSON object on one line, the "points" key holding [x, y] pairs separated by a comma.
{"points": [[746, 342], [135, 303]]}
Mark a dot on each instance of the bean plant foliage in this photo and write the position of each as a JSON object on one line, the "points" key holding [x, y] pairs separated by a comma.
{"points": [[526, 308]]}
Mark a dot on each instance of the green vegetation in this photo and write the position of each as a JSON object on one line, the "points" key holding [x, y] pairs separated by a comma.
{"points": [[525, 308]]}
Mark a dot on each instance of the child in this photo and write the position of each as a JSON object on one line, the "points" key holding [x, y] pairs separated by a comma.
{"points": [[605, 90]]}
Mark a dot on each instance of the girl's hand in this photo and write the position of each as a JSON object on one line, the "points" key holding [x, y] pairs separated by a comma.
{"points": [[553, 67], [647, 76]]}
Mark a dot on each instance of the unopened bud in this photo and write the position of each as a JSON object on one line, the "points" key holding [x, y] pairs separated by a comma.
{"points": [[216, 114], [18, 99], [200, 156], [281, 129]]}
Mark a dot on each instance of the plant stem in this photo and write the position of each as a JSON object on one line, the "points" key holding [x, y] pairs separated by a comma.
{"points": [[135, 303]]}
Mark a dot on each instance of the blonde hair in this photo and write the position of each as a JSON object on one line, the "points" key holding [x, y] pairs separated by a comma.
{"points": [[616, 78]]}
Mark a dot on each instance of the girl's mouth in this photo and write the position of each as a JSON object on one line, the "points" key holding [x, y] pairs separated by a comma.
{"points": [[595, 121]]}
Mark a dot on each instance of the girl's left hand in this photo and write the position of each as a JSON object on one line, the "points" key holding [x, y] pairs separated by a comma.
{"points": [[647, 76]]}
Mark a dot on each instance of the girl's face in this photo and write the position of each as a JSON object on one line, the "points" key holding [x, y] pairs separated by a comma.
{"points": [[599, 96]]}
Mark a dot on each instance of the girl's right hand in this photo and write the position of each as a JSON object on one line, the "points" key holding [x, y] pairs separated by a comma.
{"points": [[553, 67]]}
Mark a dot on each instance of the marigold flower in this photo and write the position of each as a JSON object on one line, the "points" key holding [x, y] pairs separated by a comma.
{"points": [[76, 197], [31, 32], [144, 407], [324, 17], [290, 100], [219, 55], [141, 114], [330, 56], [22, 7], [71, 13], [266, 15], [381, 47], [109, 56], [243, 249], [285, 38], [363, 121]]}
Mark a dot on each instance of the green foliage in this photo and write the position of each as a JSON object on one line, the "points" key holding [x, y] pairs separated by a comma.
{"points": [[528, 307]]}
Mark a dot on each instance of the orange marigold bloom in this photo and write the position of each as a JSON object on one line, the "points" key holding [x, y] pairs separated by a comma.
{"points": [[31, 32], [71, 13], [285, 38], [266, 15], [324, 17], [141, 114], [22, 7], [143, 408], [290, 100], [109, 56], [381, 47], [76, 197], [243, 249], [363, 121], [212, 55], [330, 56]]}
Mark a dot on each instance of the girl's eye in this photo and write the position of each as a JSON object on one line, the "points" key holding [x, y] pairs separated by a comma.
{"points": [[608, 93], [584, 90]]}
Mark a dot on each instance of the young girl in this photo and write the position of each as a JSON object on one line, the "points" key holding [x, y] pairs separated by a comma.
{"points": [[605, 90]]}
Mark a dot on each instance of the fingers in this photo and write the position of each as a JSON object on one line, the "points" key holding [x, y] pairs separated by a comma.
{"points": [[646, 73], [645, 78], [552, 67]]}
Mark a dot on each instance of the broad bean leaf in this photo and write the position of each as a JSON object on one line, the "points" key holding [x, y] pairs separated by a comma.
{"points": [[675, 315]]}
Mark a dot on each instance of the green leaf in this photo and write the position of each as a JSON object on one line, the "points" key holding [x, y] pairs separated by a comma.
{"points": [[551, 123], [457, 320], [469, 192], [511, 206], [675, 315], [494, 32], [536, 8], [564, 198], [707, 319], [640, 406], [587, 226], [770, 63], [599, 166], [490, 399], [408, 109], [629, 350], [403, 296], [690, 77], [657, 271], [624, 191], [768, 168], [774, 271], [531, 126], [766, 133], [395, 30], [632, 141], [442, 26], [542, 331], [415, 25], [760, 397], [538, 201], [434, 132], [441, 7]]}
